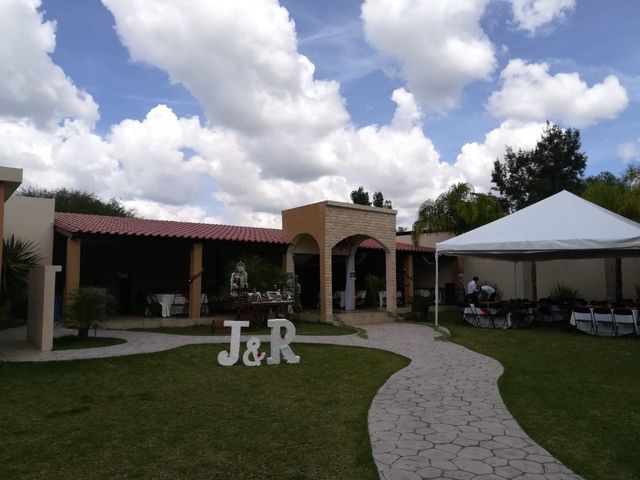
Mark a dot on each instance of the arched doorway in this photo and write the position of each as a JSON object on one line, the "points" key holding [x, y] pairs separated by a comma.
{"points": [[342, 227]]}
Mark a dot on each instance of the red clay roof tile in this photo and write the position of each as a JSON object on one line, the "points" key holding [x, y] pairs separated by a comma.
{"points": [[104, 225]]}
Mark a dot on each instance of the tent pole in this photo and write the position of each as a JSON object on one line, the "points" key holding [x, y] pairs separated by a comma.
{"points": [[515, 279], [436, 290]]}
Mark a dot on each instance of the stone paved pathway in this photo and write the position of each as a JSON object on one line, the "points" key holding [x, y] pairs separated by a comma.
{"points": [[439, 418]]}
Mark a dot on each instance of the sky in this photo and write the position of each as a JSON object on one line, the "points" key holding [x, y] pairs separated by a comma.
{"points": [[230, 112]]}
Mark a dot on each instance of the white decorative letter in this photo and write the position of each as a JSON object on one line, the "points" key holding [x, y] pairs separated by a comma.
{"points": [[253, 344], [281, 343], [228, 358]]}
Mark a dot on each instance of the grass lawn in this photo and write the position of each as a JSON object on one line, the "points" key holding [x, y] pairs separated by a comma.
{"points": [[576, 395], [302, 328], [178, 415], [70, 342]]}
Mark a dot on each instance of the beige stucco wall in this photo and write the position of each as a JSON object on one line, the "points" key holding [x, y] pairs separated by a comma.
{"points": [[426, 239], [630, 277], [42, 281], [32, 219], [511, 278], [589, 276]]}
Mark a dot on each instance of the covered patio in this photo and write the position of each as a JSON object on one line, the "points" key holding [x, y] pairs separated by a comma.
{"points": [[177, 262]]}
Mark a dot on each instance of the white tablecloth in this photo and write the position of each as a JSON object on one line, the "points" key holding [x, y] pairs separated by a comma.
{"points": [[166, 300], [339, 295]]}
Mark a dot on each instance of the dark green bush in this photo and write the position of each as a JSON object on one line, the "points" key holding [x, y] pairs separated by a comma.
{"points": [[420, 308]]}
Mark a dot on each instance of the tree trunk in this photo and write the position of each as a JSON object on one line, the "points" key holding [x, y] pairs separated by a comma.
{"points": [[83, 332]]}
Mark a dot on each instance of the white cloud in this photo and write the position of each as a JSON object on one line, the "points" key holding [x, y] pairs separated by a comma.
{"points": [[275, 136], [530, 93], [629, 151], [532, 14], [152, 159], [239, 59], [439, 45], [33, 87], [70, 156], [476, 159], [182, 213]]}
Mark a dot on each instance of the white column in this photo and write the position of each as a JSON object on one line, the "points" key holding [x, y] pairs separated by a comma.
{"points": [[350, 283]]}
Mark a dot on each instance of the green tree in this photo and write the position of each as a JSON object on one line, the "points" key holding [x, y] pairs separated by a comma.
{"points": [[378, 199], [621, 195], [618, 194], [457, 210], [87, 307], [360, 196], [380, 202], [554, 164], [78, 201]]}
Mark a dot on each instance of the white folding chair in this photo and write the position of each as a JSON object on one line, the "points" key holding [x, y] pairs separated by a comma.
{"points": [[204, 304], [361, 298], [470, 314], [382, 298], [603, 321], [624, 321], [477, 316], [180, 305], [583, 320]]}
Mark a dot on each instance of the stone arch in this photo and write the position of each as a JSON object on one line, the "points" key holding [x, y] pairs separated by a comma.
{"points": [[330, 223]]}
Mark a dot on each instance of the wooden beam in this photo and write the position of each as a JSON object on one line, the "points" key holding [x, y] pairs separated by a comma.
{"points": [[195, 277]]}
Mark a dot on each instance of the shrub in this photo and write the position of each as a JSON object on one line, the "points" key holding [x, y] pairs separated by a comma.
{"points": [[374, 285], [86, 308], [6, 318], [420, 308], [562, 292]]}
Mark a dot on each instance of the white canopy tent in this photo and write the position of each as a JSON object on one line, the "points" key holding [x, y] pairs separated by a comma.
{"points": [[561, 226]]}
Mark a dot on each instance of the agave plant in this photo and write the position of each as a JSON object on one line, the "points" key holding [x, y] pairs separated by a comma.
{"points": [[18, 256], [562, 292]]}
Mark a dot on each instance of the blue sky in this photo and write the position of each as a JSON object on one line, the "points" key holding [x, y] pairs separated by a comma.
{"points": [[236, 67]]}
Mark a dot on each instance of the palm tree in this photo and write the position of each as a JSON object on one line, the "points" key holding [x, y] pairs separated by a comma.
{"points": [[457, 210]]}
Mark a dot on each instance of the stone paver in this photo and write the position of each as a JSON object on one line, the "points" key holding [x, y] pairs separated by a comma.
{"points": [[440, 417]]}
